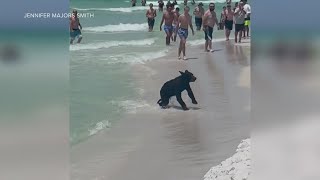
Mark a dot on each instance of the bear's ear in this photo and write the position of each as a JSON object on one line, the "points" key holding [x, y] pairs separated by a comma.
{"points": [[182, 73], [186, 71]]}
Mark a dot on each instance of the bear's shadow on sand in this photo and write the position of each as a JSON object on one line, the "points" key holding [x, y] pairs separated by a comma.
{"points": [[180, 108]]}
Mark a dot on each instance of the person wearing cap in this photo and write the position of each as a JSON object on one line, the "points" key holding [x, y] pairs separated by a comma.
{"points": [[239, 16], [198, 13], [151, 14], [209, 20], [229, 13]]}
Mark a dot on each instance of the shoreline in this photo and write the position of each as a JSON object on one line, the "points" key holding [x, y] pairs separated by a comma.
{"points": [[173, 144]]}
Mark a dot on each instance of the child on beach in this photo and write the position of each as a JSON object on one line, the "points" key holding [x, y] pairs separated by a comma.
{"points": [[184, 21]]}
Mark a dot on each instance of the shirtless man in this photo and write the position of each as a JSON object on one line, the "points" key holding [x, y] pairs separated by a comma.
{"points": [[75, 32], [198, 13], [239, 16], [160, 4], [133, 2], [175, 23], [229, 13], [168, 18], [151, 14], [209, 19], [184, 21], [143, 2], [222, 18]]}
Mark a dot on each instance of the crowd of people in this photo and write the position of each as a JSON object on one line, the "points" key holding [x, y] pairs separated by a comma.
{"points": [[178, 24]]}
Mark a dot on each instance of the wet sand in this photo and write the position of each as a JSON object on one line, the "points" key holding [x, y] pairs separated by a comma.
{"points": [[151, 143]]}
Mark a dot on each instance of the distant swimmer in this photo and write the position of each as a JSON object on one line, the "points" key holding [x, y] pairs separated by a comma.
{"points": [[193, 2], [198, 13], [175, 23], [184, 21], [209, 19], [151, 14], [143, 2], [185, 2], [160, 4], [175, 2], [228, 2], [133, 2], [168, 18], [75, 27]]}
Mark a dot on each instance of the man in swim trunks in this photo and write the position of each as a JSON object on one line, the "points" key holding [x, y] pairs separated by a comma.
{"points": [[209, 20], [239, 16], [198, 13], [151, 14], [133, 2], [184, 21], [229, 13], [143, 2], [246, 8], [175, 23], [168, 18], [160, 4], [75, 32]]}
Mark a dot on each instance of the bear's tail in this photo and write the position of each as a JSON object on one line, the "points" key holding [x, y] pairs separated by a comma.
{"points": [[160, 102]]}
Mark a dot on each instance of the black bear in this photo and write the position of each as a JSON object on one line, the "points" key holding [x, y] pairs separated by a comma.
{"points": [[174, 87]]}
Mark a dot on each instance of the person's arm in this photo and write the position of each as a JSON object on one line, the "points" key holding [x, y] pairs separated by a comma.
{"points": [[80, 25], [161, 22], [236, 11], [147, 13], [216, 19], [190, 24], [195, 11], [155, 13]]}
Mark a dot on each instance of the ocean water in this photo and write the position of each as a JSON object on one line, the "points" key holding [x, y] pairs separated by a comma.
{"points": [[100, 78]]}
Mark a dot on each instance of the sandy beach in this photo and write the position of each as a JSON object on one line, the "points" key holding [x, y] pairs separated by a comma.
{"points": [[171, 144]]}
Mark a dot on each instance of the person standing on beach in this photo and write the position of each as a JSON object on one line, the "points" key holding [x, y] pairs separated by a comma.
{"points": [[222, 18], [175, 23], [229, 13], [133, 2], [168, 18], [75, 27], [160, 4], [184, 21], [143, 2], [239, 16], [246, 8], [198, 13], [151, 14], [209, 20]]}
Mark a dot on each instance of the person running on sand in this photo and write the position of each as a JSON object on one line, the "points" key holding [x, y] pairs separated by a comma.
{"points": [[175, 23], [133, 2], [184, 21], [160, 4], [143, 2], [198, 13], [222, 19], [168, 18], [151, 14], [75, 32], [239, 16], [209, 20], [229, 13]]}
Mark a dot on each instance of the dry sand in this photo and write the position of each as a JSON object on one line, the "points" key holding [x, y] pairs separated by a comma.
{"points": [[155, 144]]}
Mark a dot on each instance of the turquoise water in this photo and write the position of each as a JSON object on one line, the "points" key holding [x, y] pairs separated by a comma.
{"points": [[102, 89]]}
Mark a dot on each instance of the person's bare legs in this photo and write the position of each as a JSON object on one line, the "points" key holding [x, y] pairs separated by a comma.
{"points": [[168, 38], [240, 35], [235, 36], [79, 39], [206, 46], [210, 44], [180, 49], [247, 31], [184, 48]]}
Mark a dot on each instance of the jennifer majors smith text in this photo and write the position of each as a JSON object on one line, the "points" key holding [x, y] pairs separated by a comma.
{"points": [[57, 15]]}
